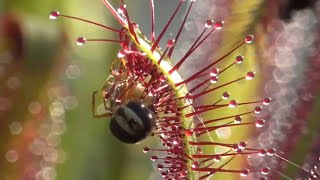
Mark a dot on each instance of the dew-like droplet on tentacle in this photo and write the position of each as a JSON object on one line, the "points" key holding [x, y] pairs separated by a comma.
{"points": [[81, 41], [249, 39], [54, 15], [260, 123]]}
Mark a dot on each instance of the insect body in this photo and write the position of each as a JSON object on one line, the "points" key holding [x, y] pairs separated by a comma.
{"points": [[132, 122], [136, 96]]}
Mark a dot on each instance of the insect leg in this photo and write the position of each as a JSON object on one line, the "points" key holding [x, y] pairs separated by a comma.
{"points": [[94, 108]]}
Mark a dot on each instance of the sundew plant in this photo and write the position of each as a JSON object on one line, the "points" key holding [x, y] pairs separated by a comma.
{"points": [[203, 118], [204, 89]]}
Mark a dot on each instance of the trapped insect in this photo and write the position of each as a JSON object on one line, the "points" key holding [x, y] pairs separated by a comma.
{"points": [[145, 95]]}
